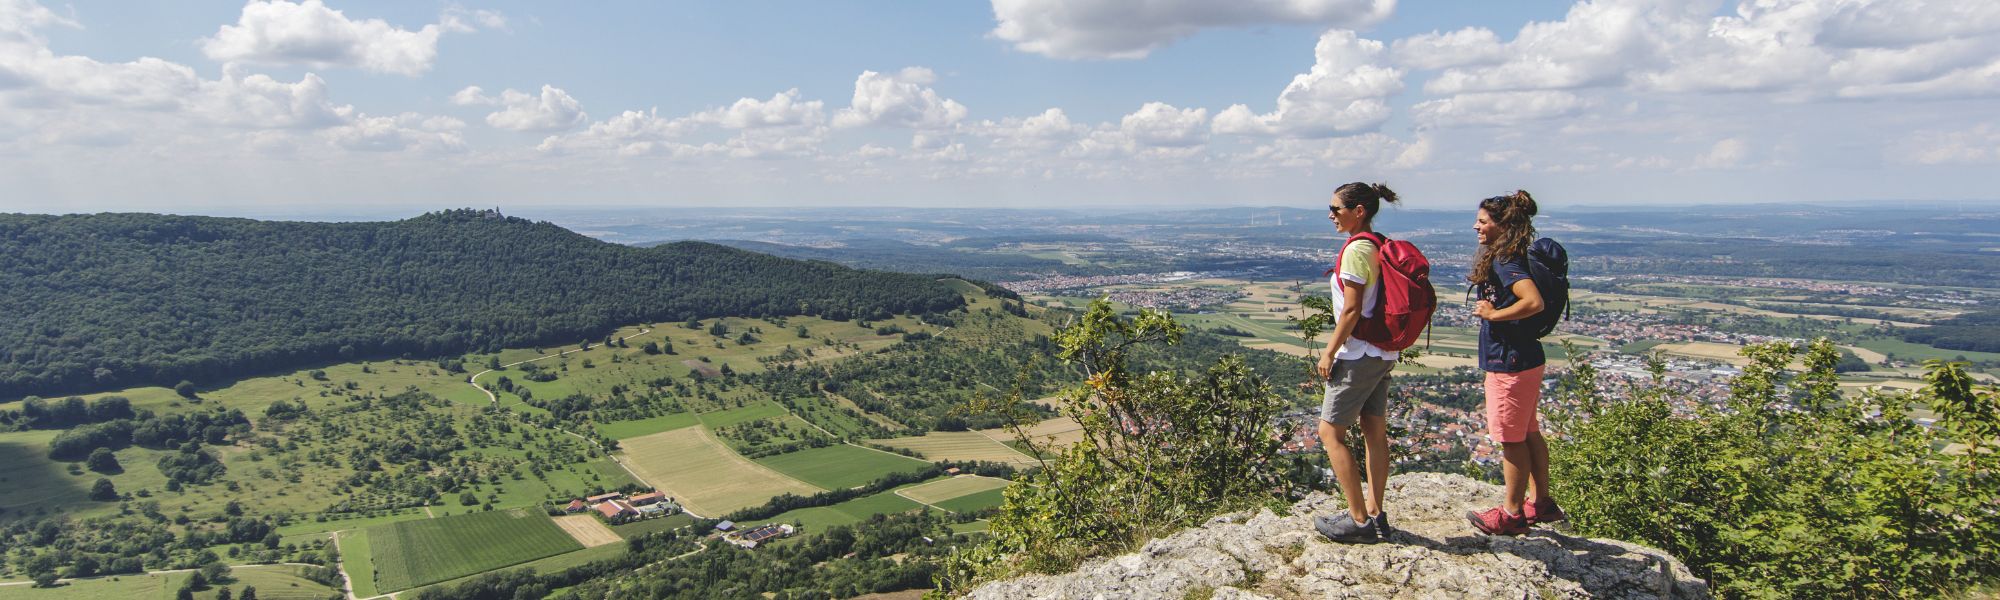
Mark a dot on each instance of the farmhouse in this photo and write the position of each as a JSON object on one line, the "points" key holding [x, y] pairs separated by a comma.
{"points": [[753, 537], [602, 497], [614, 508], [648, 498], [575, 506]]}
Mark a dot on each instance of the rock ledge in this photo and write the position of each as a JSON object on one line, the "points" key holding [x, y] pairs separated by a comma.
{"points": [[1434, 554]]}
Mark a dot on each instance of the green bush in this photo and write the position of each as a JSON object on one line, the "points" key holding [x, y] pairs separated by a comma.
{"points": [[1790, 490], [1161, 451]]}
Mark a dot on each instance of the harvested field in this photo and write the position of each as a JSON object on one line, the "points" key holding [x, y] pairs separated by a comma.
{"points": [[689, 464], [1064, 430], [587, 530], [960, 445], [1292, 349]]}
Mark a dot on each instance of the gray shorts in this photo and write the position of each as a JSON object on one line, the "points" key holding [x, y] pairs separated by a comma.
{"points": [[1357, 387]]}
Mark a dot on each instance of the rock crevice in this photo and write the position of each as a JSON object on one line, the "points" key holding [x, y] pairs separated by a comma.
{"points": [[1434, 553]]}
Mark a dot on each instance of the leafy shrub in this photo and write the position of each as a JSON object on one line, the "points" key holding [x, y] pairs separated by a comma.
{"points": [[1791, 490], [1161, 451]]}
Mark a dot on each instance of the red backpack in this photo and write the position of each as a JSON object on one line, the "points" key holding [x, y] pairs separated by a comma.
{"points": [[1403, 309]]}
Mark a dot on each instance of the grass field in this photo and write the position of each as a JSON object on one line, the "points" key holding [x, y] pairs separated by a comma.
{"points": [[439, 549], [619, 430], [945, 489], [960, 445], [1056, 431], [819, 518], [357, 559], [412, 553], [273, 582], [739, 416], [840, 466], [972, 502], [705, 476]]}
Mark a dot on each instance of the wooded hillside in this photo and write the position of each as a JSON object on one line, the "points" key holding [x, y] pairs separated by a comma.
{"points": [[114, 300]]}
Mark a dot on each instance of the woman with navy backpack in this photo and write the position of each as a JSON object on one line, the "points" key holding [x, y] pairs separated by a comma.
{"points": [[1511, 323]]}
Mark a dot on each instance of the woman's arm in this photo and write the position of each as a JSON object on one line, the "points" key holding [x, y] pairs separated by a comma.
{"points": [[1343, 326], [1530, 304]]}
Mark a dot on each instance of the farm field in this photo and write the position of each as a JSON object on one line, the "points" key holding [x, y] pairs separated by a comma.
{"points": [[1056, 431], [273, 582], [960, 445], [587, 530], [973, 502], [357, 559], [412, 553], [840, 466], [945, 489], [818, 518], [696, 469], [619, 430]]}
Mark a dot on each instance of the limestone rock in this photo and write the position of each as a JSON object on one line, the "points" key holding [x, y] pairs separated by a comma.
{"points": [[1434, 553]]}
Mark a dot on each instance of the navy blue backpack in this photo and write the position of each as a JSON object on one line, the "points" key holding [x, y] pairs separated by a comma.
{"points": [[1548, 265]]}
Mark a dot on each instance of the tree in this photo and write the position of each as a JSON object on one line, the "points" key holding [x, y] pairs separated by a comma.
{"points": [[185, 593], [223, 593], [44, 578], [468, 498], [103, 461], [650, 348], [102, 491], [216, 572], [185, 388], [249, 593]]}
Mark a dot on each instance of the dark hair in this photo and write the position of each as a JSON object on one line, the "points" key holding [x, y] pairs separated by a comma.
{"points": [[1514, 214], [1369, 196]]}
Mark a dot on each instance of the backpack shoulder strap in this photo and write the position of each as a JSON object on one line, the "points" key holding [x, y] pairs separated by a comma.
{"points": [[1371, 236]]}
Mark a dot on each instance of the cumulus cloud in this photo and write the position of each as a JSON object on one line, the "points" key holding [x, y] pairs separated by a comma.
{"points": [[1725, 154], [902, 99], [1979, 144], [1468, 46], [307, 33], [551, 110], [1052, 128], [1799, 49], [1160, 124], [1079, 29], [1497, 108], [401, 132], [784, 109], [1345, 91]]}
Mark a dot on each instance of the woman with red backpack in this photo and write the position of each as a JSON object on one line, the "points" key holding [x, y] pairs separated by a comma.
{"points": [[1357, 371], [1510, 351]]}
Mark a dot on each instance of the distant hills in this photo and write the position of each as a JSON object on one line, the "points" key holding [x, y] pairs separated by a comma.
{"points": [[108, 301]]}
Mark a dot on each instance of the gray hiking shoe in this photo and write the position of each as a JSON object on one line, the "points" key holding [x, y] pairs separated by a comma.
{"points": [[1342, 528], [1381, 523]]}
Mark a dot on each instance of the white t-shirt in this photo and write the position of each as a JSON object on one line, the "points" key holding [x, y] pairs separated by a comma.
{"points": [[1358, 267]]}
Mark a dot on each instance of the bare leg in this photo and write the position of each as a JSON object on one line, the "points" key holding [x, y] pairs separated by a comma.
{"points": [[1334, 438], [1375, 430], [1538, 446], [1515, 466]]}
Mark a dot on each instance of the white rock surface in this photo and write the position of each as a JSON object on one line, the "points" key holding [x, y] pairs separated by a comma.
{"points": [[1434, 553]]}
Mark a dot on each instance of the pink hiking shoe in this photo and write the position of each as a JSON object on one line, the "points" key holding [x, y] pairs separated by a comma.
{"points": [[1496, 521], [1542, 510]]}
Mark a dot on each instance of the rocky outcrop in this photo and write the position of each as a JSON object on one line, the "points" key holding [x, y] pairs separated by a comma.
{"points": [[1434, 553]]}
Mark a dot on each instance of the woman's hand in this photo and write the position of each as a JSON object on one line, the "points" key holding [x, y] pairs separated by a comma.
{"points": [[1325, 366], [1484, 310]]}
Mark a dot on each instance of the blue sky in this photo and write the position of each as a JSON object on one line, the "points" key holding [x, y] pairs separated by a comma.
{"points": [[339, 107]]}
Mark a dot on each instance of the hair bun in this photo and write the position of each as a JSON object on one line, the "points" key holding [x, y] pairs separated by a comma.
{"points": [[1524, 202], [1382, 189]]}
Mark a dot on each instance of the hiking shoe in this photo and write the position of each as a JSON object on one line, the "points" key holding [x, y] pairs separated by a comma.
{"points": [[1541, 511], [1496, 521], [1342, 528], [1382, 528]]}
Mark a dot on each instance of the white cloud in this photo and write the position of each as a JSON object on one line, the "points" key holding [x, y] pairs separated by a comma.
{"points": [[460, 20], [1725, 154], [630, 133], [1076, 29], [1345, 91], [257, 101], [1052, 128], [1160, 124], [551, 110], [473, 95], [1369, 151], [1497, 108], [401, 132], [902, 100], [310, 34], [1468, 46], [784, 109], [1979, 144], [1596, 43]]}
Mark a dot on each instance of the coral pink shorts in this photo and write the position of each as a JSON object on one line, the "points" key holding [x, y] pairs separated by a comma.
{"points": [[1511, 399]]}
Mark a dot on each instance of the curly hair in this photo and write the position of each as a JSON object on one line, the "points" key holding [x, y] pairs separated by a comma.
{"points": [[1514, 214]]}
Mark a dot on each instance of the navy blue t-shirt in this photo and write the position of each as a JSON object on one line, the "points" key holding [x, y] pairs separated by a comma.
{"points": [[1503, 347]]}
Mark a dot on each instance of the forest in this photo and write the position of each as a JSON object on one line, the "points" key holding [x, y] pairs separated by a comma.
{"points": [[109, 301]]}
